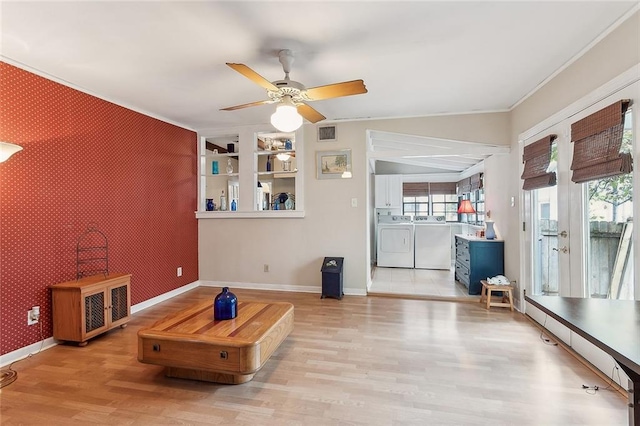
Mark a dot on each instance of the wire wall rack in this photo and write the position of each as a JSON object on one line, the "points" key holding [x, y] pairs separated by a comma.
{"points": [[92, 253]]}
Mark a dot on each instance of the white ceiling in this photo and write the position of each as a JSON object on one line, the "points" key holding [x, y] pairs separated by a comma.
{"points": [[167, 59]]}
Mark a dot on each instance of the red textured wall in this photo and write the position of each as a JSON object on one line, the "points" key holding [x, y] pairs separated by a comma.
{"points": [[88, 160]]}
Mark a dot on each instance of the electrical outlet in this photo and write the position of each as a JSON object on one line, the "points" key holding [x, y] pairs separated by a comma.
{"points": [[33, 315], [354, 202], [266, 268], [179, 271]]}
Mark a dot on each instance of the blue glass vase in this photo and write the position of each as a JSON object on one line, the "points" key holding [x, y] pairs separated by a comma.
{"points": [[225, 305], [210, 205]]}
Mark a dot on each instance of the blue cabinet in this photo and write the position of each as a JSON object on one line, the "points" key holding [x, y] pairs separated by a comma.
{"points": [[478, 259]]}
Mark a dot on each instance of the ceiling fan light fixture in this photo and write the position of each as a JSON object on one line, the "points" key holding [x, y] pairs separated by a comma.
{"points": [[286, 117]]}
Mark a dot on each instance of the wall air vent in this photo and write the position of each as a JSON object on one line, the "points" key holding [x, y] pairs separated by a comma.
{"points": [[327, 134]]}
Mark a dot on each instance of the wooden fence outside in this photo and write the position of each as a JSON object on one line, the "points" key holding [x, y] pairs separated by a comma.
{"points": [[605, 244]]}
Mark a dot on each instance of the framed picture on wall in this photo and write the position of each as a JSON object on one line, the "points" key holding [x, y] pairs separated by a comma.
{"points": [[333, 164]]}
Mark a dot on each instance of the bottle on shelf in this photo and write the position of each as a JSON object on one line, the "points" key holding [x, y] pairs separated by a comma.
{"points": [[268, 163], [223, 202], [259, 197], [229, 167], [234, 205]]}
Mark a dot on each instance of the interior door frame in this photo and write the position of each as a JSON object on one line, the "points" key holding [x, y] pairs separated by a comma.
{"points": [[572, 113]]}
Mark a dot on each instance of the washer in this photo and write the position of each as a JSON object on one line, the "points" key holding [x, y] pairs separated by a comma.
{"points": [[432, 242], [395, 241]]}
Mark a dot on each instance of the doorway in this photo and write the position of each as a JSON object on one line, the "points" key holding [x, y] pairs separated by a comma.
{"points": [[580, 239]]}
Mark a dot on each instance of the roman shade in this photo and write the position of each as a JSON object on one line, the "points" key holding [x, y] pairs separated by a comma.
{"points": [[536, 159], [423, 189], [464, 186], [597, 139], [469, 184], [442, 188], [475, 181], [415, 189]]}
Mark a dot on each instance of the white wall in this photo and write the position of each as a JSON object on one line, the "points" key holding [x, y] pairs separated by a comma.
{"points": [[234, 251]]}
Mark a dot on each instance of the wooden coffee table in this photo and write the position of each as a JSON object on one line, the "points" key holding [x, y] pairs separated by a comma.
{"points": [[192, 345]]}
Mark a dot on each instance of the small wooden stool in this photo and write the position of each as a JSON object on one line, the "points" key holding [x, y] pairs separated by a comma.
{"points": [[485, 294]]}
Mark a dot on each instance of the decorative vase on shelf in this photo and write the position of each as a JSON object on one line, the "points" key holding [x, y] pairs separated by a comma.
{"points": [[223, 202], [210, 205], [229, 167], [489, 233], [268, 163], [234, 205], [225, 305]]}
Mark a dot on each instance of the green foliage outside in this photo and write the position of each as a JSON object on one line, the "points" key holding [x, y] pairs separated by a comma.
{"points": [[615, 190]]}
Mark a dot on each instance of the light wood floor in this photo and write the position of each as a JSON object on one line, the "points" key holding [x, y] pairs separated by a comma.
{"points": [[361, 360]]}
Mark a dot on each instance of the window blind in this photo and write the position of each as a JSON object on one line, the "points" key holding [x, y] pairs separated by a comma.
{"points": [[423, 189], [475, 182], [442, 188], [415, 189], [597, 139], [464, 186], [536, 159]]}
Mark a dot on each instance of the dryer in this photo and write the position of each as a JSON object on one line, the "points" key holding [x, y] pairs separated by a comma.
{"points": [[395, 246], [432, 242]]}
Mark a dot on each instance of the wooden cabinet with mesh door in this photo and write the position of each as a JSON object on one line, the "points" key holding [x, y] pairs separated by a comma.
{"points": [[90, 306]]}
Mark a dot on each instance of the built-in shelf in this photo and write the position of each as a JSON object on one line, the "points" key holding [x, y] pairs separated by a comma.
{"points": [[280, 174]]}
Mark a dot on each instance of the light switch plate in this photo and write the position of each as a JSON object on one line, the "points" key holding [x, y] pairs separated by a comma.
{"points": [[354, 202]]}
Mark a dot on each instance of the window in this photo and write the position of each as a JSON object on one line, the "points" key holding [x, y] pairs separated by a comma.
{"points": [[445, 205], [430, 199], [477, 201], [610, 231], [415, 206]]}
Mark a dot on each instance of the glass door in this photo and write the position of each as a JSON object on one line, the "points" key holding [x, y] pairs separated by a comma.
{"points": [[549, 224], [609, 231], [580, 239]]}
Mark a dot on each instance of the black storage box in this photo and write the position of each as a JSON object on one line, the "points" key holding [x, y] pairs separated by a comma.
{"points": [[332, 277]]}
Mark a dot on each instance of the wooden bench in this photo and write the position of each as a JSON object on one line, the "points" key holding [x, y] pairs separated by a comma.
{"points": [[192, 345], [507, 294]]}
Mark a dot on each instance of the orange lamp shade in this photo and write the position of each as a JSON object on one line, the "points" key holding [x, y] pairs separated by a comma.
{"points": [[465, 207]]}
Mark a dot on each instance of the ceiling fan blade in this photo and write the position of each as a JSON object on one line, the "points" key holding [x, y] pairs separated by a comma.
{"points": [[253, 76], [235, 107], [309, 113], [346, 88]]}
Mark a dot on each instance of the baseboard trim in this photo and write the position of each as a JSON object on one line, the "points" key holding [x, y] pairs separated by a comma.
{"points": [[22, 353], [165, 296], [278, 287]]}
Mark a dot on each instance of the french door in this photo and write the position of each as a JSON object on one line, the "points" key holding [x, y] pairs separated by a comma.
{"points": [[579, 238], [554, 245]]}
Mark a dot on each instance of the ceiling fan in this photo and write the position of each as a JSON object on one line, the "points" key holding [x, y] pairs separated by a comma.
{"points": [[292, 96]]}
